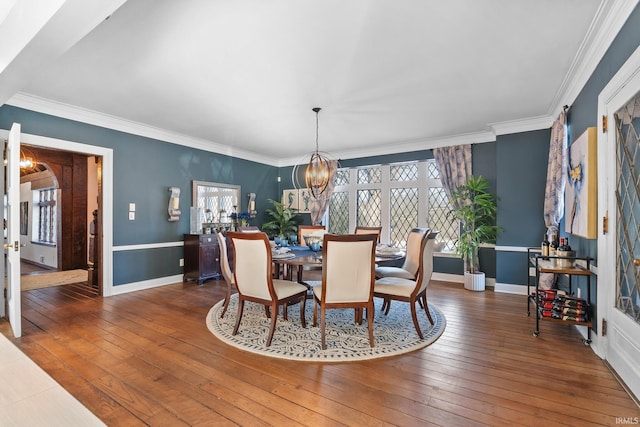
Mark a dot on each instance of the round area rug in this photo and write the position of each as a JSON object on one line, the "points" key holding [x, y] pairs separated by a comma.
{"points": [[346, 341]]}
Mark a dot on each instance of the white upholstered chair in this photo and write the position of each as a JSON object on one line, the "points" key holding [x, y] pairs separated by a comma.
{"points": [[254, 280], [411, 291], [409, 269], [307, 229], [227, 274], [347, 278], [369, 230]]}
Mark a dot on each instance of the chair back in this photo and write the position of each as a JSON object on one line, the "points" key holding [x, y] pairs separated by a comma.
{"points": [[224, 258], [425, 271], [252, 264], [348, 273], [307, 229], [414, 250], [369, 230]]}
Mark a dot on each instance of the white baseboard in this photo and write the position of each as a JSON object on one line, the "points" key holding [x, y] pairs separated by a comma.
{"points": [[509, 288], [446, 277], [146, 284]]}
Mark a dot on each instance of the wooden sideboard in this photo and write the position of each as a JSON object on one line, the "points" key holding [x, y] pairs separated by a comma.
{"points": [[201, 257]]}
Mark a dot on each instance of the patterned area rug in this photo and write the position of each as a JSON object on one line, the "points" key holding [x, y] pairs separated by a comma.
{"points": [[346, 341]]}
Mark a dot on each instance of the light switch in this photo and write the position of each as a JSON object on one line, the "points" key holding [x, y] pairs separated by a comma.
{"points": [[132, 216], [132, 207]]}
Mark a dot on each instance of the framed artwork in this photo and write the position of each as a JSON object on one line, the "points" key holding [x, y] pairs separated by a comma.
{"points": [[290, 199], [304, 200], [581, 205], [24, 218]]}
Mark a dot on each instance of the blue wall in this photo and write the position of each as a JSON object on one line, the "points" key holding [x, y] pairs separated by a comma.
{"points": [[144, 169]]}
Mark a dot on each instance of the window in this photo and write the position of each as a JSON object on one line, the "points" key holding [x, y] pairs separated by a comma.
{"points": [[46, 212], [397, 197]]}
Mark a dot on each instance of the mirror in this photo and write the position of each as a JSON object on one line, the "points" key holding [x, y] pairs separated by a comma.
{"points": [[213, 203]]}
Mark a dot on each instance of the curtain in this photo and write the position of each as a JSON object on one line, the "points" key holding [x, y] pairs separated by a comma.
{"points": [[319, 206], [454, 164], [554, 189]]}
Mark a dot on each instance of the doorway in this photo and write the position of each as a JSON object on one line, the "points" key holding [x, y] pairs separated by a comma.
{"points": [[103, 249], [619, 238], [58, 194]]}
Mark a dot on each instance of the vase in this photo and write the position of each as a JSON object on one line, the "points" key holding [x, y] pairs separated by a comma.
{"points": [[474, 281]]}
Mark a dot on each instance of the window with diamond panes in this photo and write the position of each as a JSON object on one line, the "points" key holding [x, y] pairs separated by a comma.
{"points": [[342, 177], [439, 207], [404, 172], [396, 197], [369, 208], [339, 213], [369, 175], [403, 213], [432, 170]]}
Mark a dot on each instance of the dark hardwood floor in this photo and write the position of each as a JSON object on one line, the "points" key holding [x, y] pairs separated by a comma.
{"points": [[147, 358]]}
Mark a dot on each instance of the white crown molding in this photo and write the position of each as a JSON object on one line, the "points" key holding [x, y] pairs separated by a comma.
{"points": [[58, 109], [406, 147], [609, 19], [611, 16], [522, 125]]}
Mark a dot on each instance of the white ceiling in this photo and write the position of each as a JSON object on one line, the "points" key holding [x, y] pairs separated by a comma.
{"points": [[241, 76]]}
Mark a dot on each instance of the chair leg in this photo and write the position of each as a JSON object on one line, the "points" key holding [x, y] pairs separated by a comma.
{"points": [[426, 308], [384, 305], [267, 311], [284, 311], [370, 324], [414, 316], [226, 300], [272, 326], [323, 325], [303, 302], [315, 312], [238, 316], [388, 305]]}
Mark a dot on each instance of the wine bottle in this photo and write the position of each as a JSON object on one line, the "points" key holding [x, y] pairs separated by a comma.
{"points": [[566, 244], [545, 246], [552, 248], [562, 247]]}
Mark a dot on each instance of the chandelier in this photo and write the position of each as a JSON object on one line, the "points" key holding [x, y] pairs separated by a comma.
{"points": [[318, 170], [28, 160]]}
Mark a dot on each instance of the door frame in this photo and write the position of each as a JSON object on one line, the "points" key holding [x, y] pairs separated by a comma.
{"points": [[106, 191], [619, 347]]}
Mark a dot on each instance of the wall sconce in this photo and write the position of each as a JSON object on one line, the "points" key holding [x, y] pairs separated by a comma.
{"points": [[251, 206], [174, 204]]}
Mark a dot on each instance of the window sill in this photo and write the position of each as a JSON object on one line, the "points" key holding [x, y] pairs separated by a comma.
{"points": [[51, 245]]}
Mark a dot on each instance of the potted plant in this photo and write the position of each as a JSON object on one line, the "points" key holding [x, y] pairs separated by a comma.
{"points": [[284, 221], [475, 208]]}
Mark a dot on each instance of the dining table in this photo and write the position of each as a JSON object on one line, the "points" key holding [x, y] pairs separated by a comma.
{"points": [[296, 258]]}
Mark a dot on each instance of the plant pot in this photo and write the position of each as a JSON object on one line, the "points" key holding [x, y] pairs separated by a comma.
{"points": [[474, 281]]}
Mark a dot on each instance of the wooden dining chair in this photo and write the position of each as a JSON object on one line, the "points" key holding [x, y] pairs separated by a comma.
{"points": [[409, 269], [255, 283], [411, 291], [369, 230], [347, 278]]}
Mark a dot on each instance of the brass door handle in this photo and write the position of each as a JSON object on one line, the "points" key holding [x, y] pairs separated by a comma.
{"points": [[15, 245], [636, 262]]}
